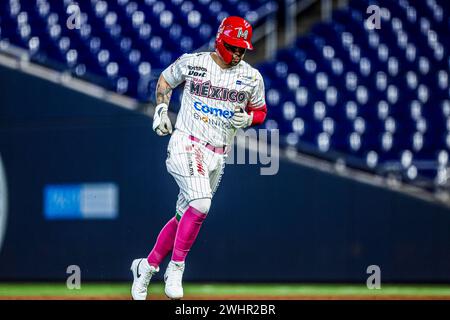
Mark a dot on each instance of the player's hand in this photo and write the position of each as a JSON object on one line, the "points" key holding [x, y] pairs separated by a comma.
{"points": [[241, 119], [161, 122]]}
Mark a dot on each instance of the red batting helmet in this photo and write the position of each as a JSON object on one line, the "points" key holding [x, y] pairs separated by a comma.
{"points": [[234, 31]]}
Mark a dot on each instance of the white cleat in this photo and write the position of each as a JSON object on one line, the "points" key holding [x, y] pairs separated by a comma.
{"points": [[142, 273], [173, 278]]}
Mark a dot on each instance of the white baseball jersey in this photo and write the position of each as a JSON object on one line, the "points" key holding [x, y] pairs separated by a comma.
{"points": [[211, 95], [196, 170]]}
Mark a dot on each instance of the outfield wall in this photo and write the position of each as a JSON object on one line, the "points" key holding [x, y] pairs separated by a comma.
{"points": [[299, 225]]}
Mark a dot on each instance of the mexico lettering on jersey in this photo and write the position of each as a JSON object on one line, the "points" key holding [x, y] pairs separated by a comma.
{"points": [[211, 95]]}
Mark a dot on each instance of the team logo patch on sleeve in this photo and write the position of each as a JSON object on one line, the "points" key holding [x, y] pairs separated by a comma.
{"points": [[244, 83]]}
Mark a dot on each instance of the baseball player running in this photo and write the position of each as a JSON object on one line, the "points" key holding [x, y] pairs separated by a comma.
{"points": [[222, 94]]}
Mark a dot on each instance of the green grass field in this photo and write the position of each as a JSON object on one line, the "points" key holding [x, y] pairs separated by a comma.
{"points": [[216, 291]]}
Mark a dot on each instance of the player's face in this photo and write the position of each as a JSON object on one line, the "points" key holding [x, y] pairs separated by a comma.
{"points": [[238, 53]]}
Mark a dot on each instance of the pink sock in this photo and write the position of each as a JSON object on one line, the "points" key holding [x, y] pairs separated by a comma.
{"points": [[164, 243], [187, 232]]}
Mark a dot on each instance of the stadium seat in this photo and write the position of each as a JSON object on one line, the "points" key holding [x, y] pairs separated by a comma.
{"points": [[379, 96], [383, 93], [123, 32]]}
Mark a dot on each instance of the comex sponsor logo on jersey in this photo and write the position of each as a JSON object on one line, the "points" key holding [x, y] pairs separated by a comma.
{"points": [[213, 111], [216, 112]]}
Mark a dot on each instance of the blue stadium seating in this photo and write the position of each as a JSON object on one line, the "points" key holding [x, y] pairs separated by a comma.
{"points": [[378, 98], [121, 44]]}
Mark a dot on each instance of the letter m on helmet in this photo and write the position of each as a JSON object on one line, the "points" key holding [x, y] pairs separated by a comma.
{"points": [[242, 34], [234, 31]]}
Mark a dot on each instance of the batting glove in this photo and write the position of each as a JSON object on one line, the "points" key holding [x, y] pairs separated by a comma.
{"points": [[161, 122], [241, 119]]}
